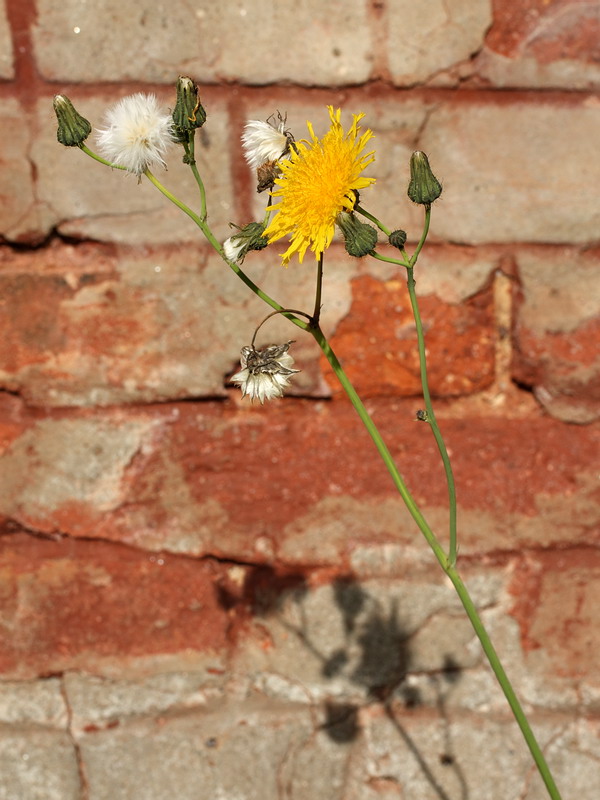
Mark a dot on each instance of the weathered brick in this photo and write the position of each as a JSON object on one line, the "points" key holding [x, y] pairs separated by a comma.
{"points": [[6, 49], [555, 600], [21, 217], [88, 605], [262, 43], [38, 764], [506, 192], [460, 340], [438, 39], [33, 703], [87, 325], [558, 330], [99, 702], [543, 44], [85, 199], [244, 750], [295, 482]]}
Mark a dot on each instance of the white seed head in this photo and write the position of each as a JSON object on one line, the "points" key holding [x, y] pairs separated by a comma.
{"points": [[136, 135], [263, 142]]}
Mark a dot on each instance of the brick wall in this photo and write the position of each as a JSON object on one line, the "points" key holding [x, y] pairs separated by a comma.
{"points": [[203, 598]]}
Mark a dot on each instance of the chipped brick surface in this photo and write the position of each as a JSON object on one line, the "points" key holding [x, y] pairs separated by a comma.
{"points": [[460, 338], [557, 332], [171, 478], [76, 605], [544, 43]]}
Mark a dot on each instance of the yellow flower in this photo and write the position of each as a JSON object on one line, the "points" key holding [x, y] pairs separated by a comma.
{"points": [[318, 181]]}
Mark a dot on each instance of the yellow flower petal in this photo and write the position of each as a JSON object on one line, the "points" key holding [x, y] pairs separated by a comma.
{"points": [[318, 181]]}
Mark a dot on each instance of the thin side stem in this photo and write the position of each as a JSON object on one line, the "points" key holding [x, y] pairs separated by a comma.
{"points": [[423, 239], [317, 312], [379, 257], [452, 552], [190, 151], [210, 237], [380, 225]]}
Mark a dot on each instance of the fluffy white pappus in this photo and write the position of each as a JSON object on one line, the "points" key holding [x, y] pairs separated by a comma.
{"points": [[263, 142], [136, 135], [232, 249]]}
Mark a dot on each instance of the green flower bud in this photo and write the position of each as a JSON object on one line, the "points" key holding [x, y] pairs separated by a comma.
{"points": [[424, 187], [397, 239], [360, 238], [248, 238], [73, 129], [189, 112]]}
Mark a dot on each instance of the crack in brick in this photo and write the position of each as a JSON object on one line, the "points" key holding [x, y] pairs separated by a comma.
{"points": [[84, 793]]}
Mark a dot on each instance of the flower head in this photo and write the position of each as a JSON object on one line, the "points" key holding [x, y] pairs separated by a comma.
{"points": [[265, 373], [136, 134], [264, 141], [319, 180]]}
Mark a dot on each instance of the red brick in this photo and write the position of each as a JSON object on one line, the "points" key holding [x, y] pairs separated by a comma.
{"points": [[556, 604], [210, 478], [376, 342], [563, 367], [71, 604], [549, 30]]}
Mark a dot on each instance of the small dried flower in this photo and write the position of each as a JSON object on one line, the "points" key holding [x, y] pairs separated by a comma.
{"points": [[136, 134], [73, 129], [266, 175], [248, 238], [265, 373], [265, 141]]}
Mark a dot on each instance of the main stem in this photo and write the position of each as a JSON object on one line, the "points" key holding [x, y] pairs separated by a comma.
{"points": [[447, 565]]}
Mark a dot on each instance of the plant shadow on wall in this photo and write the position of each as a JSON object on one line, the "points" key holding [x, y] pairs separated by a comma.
{"points": [[360, 640]]}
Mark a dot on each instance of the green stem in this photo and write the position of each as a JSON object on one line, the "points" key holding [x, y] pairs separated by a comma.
{"points": [[190, 152], [423, 238], [210, 237], [448, 567], [504, 682], [379, 257], [317, 312], [381, 446], [380, 225], [452, 553], [98, 158]]}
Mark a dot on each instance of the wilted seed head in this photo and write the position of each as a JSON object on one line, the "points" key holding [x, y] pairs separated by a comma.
{"points": [[73, 129], [424, 187], [265, 373]]}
